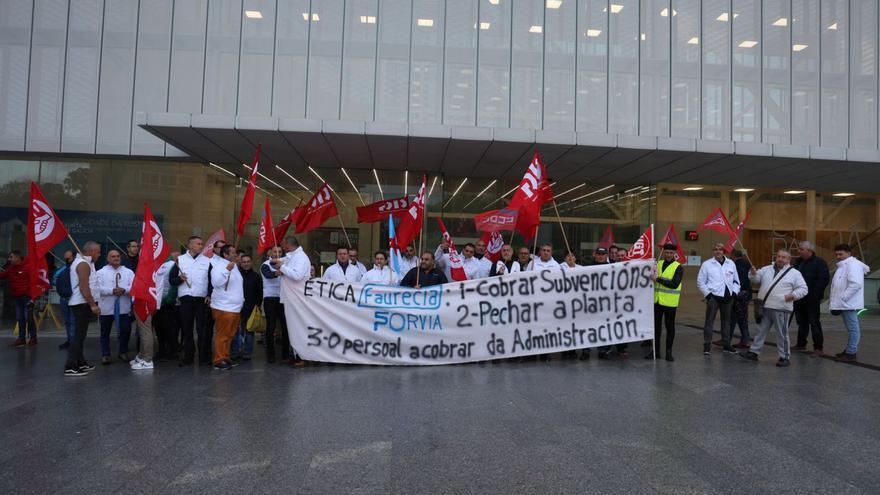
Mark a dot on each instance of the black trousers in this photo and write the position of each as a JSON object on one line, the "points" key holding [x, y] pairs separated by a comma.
{"points": [[714, 305], [167, 330], [274, 318], [193, 312], [81, 315], [806, 311], [663, 314]]}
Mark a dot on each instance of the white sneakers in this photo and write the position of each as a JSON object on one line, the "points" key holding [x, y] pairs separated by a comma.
{"points": [[139, 364]]}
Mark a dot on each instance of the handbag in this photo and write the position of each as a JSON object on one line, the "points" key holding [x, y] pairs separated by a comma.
{"points": [[257, 322], [759, 303]]}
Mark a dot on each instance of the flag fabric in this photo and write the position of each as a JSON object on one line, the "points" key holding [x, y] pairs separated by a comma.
{"points": [[533, 192], [671, 237], [716, 221], [154, 250], [45, 231], [247, 202], [643, 248], [607, 239], [267, 236], [208, 250], [496, 220], [736, 234], [284, 224], [494, 243], [378, 211], [456, 269], [318, 210], [413, 217], [393, 249]]}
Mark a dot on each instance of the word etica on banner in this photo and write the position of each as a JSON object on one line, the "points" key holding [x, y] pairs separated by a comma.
{"points": [[518, 314]]}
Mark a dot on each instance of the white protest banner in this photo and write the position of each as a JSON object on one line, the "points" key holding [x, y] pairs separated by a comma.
{"points": [[518, 314]]}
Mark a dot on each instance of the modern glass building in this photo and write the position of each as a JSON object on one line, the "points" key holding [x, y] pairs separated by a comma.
{"points": [[644, 111]]}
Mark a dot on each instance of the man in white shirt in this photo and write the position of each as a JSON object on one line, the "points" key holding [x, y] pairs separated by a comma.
{"points": [[342, 270], [545, 260], [83, 304], [408, 259], [297, 267], [381, 273], [190, 276], [227, 299], [507, 263], [718, 281], [115, 282], [473, 267], [480, 254], [569, 262], [781, 285], [353, 260], [847, 298]]}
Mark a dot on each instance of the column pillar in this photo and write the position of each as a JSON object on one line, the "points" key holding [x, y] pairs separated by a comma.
{"points": [[811, 216]]}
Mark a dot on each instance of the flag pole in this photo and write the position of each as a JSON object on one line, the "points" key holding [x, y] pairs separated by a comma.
{"points": [[534, 247], [421, 238], [564, 237], [74, 243], [185, 249], [654, 336], [121, 251], [344, 232]]}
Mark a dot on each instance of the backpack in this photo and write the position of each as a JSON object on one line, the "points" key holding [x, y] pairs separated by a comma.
{"points": [[62, 282]]}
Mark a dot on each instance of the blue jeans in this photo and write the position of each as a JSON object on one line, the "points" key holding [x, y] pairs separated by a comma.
{"points": [[106, 323], [67, 316], [24, 315], [851, 322], [243, 338]]}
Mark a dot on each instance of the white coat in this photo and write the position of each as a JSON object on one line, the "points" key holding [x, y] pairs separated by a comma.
{"points": [[107, 282], [848, 285], [383, 276], [793, 283], [334, 272]]}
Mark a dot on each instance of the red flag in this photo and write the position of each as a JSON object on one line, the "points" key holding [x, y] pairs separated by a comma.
{"points": [[247, 202], [496, 220], [456, 269], [284, 224], [671, 237], [317, 211], [494, 243], [716, 221], [643, 248], [607, 239], [154, 250], [45, 231], [378, 211], [533, 192], [208, 250], [267, 236], [735, 235], [411, 224]]}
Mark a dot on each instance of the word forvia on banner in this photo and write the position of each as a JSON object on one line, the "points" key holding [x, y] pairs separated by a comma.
{"points": [[518, 314]]}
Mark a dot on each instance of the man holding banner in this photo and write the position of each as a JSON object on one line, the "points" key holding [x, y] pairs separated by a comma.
{"points": [[667, 293], [425, 275]]}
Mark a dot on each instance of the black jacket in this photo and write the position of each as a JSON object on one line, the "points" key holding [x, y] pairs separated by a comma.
{"points": [[434, 277], [815, 273], [673, 282], [742, 269], [253, 287]]}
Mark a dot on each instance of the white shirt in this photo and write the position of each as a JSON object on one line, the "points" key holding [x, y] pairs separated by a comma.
{"points": [[501, 268], [361, 268], [539, 264], [714, 277], [382, 276], [227, 297], [793, 283], [163, 285], [77, 297], [296, 265], [473, 267], [271, 286], [565, 266], [106, 284], [407, 264], [848, 285], [334, 272], [196, 271], [485, 266]]}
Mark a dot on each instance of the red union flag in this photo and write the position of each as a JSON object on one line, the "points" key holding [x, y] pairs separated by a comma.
{"points": [[533, 192], [247, 202], [45, 231], [671, 237], [643, 248], [284, 224], [735, 235], [494, 243], [456, 269], [607, 239], [717, 221], [208, 250], [154, 250], [413, 217], [496, 220], [267, 237], [318, 210], [378, 211]]}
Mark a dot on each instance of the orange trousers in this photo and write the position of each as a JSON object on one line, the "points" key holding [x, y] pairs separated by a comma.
{"points": [[225, 327]]}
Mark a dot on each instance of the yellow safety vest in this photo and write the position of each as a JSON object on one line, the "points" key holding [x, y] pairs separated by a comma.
{"points": [[664, 295]]}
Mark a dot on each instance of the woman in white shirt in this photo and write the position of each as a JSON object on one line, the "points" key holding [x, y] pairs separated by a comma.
{"points": [[380, 273]]}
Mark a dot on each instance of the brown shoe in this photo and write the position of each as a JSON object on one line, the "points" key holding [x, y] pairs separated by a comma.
{"points": [[743, 345], [719, 343], [846, 358], [817, 353], [17, 343], [799, 348]]}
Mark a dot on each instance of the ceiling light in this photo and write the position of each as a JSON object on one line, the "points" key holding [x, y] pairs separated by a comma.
{"points": [[433, 183], [644, 37], [592, 33], [743, 189], [253, 14], [616, 8], [405, 181], [798, 47], [485, 25], [279, 186], [315, 17], [843, 195], [694, 41], [723, 17], [285, 172], [693, 188], [218, 167], [665, 12], [368, 19], [494, 2], [352, 185], [833, 27], [781, 22], [456, 192], [485, 188], [536, 29], [794, 191], [554, 4], [376, 175], [582, 184], [425, 22], [588, 194], [748, 44]]}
